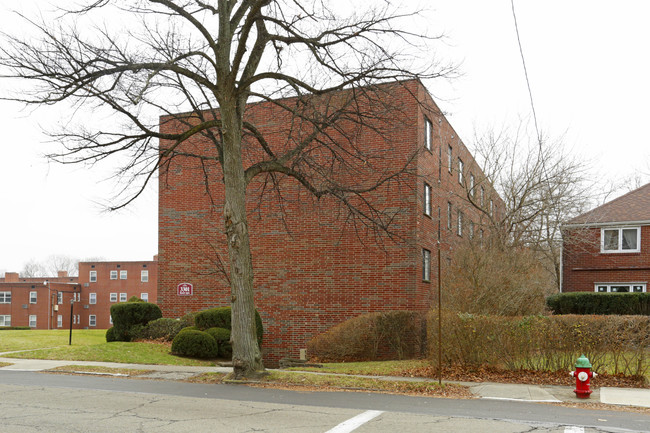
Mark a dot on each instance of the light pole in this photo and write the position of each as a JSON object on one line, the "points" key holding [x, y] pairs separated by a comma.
{"points": [[71, 316]]}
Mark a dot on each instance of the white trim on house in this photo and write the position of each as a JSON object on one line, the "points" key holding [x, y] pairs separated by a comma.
{"points": [[631, 285], [619, 249], [607, 224]]}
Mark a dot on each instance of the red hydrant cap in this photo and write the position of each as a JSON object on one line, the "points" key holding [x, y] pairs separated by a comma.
{"points": [[583, 362]]}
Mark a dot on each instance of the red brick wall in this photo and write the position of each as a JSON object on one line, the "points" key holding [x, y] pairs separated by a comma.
{"points": [[312, 267], [584, 265]]}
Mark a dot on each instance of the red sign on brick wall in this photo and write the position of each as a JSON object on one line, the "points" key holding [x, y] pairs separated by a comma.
{"points": [[185, 289]]}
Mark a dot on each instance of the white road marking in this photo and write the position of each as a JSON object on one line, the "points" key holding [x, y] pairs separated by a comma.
{"points": [[574, 429], [356, 422]]}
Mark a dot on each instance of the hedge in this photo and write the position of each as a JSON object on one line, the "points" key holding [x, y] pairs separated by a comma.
{"points": [[220, 317], [196, 344], [373, 336], [600, 303], [162, 329], [129, 319], [618, 344], [15, 328]]}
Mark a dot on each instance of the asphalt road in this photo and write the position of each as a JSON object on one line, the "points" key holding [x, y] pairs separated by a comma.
{"points": [[38, 402]]}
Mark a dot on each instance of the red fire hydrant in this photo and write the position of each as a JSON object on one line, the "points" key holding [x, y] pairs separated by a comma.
{"points": [[583, 375]]}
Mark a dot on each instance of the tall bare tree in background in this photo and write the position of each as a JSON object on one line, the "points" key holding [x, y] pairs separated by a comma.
{"points": [[50, 266], [211, 58], [542, 186]]}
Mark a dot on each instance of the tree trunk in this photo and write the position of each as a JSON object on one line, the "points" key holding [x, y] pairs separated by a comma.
{"points": [[247, 357]]}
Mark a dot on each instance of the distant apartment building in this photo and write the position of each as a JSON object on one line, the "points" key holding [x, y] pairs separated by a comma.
{"points": [[55, 302]]}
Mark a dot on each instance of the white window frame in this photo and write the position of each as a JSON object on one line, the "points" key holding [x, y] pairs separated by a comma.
{"points": [[92, 298], [123, 274], [113, 275], [426, 265], [144, 296], [472, 184], [620, 240], [59, 298], [482, 197], [113, 297], [428, 132], [607, 287], [461, 169], [449, 215], [92, 320], [144, 276], [450, 157], [123, 297], [92, 277], [460, 223], [32, 320], [59, 321], [427, 199], [491, 207], [5, 297], [33, 297], [6, 320], [471, 229]]}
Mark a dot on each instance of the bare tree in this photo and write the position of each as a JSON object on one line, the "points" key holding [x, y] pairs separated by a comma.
{"points": [[33, 269], [50, 266], [211, 58], [542, 187]]}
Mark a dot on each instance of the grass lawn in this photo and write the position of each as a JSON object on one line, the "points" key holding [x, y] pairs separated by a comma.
{"points": [[88, 345], [375, 368]]}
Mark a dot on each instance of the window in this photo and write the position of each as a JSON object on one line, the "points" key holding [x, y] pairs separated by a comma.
{"points": [[471, 185], [122, 275], [59, 321], [5, 297], [460, 223], [427, 200], [5, 320], [113, 297], [428, 131], [59, 298], [144, 276], [92, 298], [76, 297], [426, 265], [32, 297], [620, 240], [144, 297], [92, 320], [93, 276], [621, 287], [113, 275], [482, 197], [491, 207], [32, 321], [471, 229], [449, 215], [461, 167], [110, 319], [122, 297], [450, 158], [481, 233]]}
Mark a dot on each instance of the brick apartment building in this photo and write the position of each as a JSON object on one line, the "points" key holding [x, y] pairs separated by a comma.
{"points": [[608, 248], [313, 268], [45, 303]]}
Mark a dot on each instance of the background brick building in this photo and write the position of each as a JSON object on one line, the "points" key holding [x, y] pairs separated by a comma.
{"points": [[608, 248], [45, 302], [313, 267]]}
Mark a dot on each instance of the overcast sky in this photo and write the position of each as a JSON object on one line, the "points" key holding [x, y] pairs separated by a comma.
{"points": [[588, 67]]}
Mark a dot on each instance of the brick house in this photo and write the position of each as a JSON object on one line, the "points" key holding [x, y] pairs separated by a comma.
{"points": [[313, 268], [608, 248], [45, 303]]}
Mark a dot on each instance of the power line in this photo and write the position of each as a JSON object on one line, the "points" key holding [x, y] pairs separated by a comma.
{"points": [[523, 61]]}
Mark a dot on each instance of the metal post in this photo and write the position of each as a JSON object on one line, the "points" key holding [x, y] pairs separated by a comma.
{"points": [[71, 316], [439, 320]]}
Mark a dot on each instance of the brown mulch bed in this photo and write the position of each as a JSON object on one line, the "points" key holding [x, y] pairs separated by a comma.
{"points": [[533, 377]]}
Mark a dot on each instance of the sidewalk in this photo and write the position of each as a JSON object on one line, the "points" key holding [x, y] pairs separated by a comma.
{"points": [[495, 391]]}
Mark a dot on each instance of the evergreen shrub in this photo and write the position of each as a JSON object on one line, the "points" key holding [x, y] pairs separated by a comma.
{"points": [[164, 328], [127, 315], [222, 337], [195, 344], [220, 317]]}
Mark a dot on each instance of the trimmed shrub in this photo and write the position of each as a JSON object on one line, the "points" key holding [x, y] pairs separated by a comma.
{"points": [[222, 337], [369, 337], [15, 328], [600, 303], [110, 335], [162, 329], [129, 314], [613, 344], [195, 344], [135, 299], [220, 317]]}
